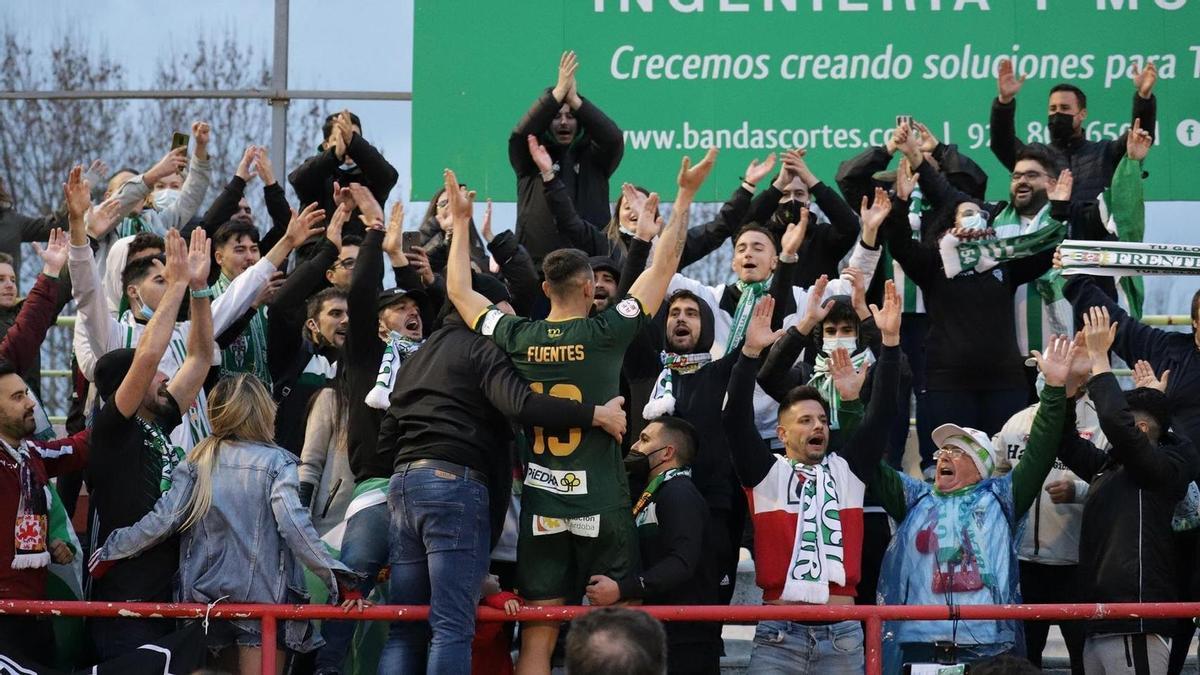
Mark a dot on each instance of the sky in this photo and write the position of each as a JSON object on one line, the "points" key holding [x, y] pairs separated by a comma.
{"points": [[364, 44]]}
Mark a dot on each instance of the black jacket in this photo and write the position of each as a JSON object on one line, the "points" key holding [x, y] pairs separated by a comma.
{"points": [[1165, 350], [584, 167], [972, 342], [288, 351], [437, 247], [224, 206], [825, 244], [1091, 162], [1126, 545], [452, 402], [313, 180], [677, 568]]}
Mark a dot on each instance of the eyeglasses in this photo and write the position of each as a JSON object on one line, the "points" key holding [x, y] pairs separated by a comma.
{"points": [[948, 453], [1028, 175], [443, 203], [345, 263]]}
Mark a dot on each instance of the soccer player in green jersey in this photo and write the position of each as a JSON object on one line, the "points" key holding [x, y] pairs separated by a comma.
{"points": [[575, 518]]}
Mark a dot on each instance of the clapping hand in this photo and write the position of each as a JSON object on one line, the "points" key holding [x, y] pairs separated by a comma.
{"points": [[756, 171], [1099, 333], [1007, 83], [1143, 376], [887, 319], [1061, 192], [759, 335], [846, 379], [692, 177], [54, 256], [1055, 362]]}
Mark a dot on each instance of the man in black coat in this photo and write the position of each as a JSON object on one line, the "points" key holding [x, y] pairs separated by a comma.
{"points": [[1092, 162], [1126, 550], [586, 147]]}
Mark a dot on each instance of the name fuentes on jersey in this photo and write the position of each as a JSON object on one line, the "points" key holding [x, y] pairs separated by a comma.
{"points": [[554, 354]]}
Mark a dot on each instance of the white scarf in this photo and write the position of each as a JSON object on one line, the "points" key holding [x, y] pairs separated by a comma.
{"points": [[662, 399], [817, 554], [398, 349]]}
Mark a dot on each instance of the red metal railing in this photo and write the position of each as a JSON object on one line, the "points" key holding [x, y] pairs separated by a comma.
{"points": [[872, 615]]}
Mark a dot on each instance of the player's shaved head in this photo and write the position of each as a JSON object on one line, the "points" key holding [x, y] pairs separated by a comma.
{"points": [[566, 270]]}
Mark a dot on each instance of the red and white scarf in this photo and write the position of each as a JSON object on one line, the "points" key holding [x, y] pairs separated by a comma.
{"points": [[32, 522]]}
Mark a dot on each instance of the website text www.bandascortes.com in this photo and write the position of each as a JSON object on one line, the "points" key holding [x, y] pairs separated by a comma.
{"points": [[746, 137]]}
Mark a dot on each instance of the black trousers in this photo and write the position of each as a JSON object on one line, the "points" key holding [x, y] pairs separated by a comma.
{"points": [[1051, 584]]}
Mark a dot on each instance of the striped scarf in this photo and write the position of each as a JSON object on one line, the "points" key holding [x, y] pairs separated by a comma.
{"points": [[248, 352], [195, 418], [662, 398], [1041, 309], [397, 351], [818, 557], [822, 381], [131, 225], [1012, 241], [1120, 259], [912, 301], [751, 292], [32, 518]]}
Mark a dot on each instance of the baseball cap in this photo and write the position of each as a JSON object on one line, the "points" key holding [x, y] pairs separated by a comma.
{"points": [[606, 263], [111, 370], [974, 442], [391, 296]]}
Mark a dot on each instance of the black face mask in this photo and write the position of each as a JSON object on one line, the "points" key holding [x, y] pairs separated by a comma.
{"points": [[789, 212], [1062, 127], [638, 465]]}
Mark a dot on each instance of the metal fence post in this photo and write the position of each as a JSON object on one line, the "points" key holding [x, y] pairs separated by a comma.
{"points": [[268, 644], [279, 82], [874, 645]]}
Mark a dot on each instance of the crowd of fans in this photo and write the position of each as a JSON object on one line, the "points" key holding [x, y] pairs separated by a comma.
{"points": [[558, 412]]}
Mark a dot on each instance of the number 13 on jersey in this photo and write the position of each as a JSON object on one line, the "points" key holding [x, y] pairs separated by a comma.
{"points": [[558, 446]]}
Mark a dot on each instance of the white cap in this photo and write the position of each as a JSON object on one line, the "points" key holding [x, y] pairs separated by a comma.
{"points": [[974, 442]]}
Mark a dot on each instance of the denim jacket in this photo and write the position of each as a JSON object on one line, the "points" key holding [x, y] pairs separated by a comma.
{"points": [[246, 549]]}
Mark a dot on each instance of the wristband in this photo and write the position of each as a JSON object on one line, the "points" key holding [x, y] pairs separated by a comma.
{"points": [[206, 292], [786, 258], [548, 176]]}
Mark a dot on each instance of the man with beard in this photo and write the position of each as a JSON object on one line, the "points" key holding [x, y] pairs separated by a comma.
{"points": [[834, 227], [1092, 162], [132, 468], [586, 147], [806, 505]]}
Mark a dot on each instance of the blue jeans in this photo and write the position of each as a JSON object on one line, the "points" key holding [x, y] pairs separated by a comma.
{"points": [[791, 648], [439, 555], [363, 550]]}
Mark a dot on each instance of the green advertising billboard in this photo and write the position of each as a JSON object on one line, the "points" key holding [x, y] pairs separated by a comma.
{"points": [[755, 76]]}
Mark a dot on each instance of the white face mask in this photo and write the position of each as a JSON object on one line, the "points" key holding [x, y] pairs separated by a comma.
{"points": [[975, 221], [165, 198], [848, 343]]}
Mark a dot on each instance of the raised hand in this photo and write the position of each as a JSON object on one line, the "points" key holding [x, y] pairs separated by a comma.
{"points": [[816, 309], [539, 154], [846, 379], [1081, 363], [462, 201], [872, 217], [201, 133], [910, 145], [756, 171], [266, 294], [929, 142], [101, 219], [304, 225], [1055, 362], [96, 172], [172, 162], [243, 170], [798, 167], [648, 225], [1144, 79], [77, 195], [342, 195], [371, 213], [393, 230], [198, 259], [177, 270], [887, 319], [488, 235], [567, 65], [342, 133], [1007, 83], [420, 262], [1061, 192], [692, 177], [337, 222], [1099, 333], [264, 167], [54, 256], [1138, 141], [759, 335], [906, 179], [858, 291], [793, 237], [1143, 376]]}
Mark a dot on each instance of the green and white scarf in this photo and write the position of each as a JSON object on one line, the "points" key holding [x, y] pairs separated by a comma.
{"points": [[1120, 259], [1123, 210], [1040, 308], [912, 301], [131, 225], [662, 398], [817, 551], [397, 351], [1043, 233], [751, 292], [640, 514], [822, 380], [169, 455], [247, 353], [195, 418]]}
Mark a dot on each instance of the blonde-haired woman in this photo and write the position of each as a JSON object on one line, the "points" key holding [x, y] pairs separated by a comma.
{"points": [[235, 501]]}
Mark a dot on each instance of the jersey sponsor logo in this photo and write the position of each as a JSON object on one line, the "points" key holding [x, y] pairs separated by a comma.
{"points": [[559, 482], [488, 325], [554, 333], [586, 526], [554, 353], [628, 308]]}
